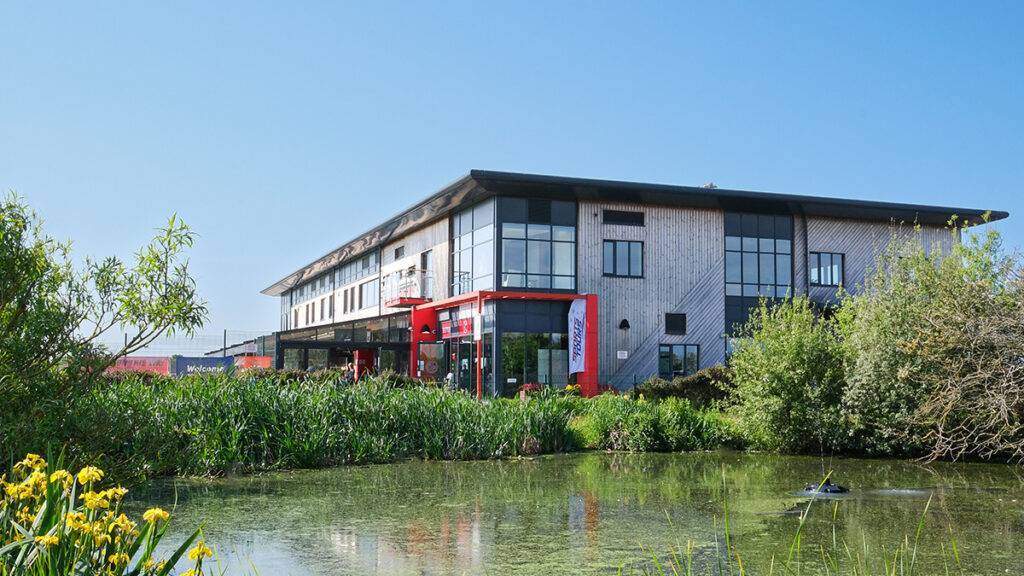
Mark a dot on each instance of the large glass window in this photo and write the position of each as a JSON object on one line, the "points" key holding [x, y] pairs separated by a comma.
{"points": [[623, 258], [538, 243], [369, 294], [678, 360], [534, 358], [826, 269], [758, 255], [473, 249]]}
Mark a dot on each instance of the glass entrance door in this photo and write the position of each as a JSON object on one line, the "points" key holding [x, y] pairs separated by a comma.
{"points": [[466, 361]]}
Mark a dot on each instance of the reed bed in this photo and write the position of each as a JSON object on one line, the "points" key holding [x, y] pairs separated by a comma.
{"points": [[140, 427]]}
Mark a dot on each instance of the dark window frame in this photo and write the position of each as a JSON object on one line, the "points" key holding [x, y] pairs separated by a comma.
{"points": [[624, 217], [615, 259], [814, 261], [687, 370], [675, 332]]}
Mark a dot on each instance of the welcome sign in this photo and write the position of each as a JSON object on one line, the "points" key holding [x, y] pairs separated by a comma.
{"points": [[577, 336]]}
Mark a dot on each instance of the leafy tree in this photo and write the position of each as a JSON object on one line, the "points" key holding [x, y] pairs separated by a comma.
{"points": [[787, 376], [53, 315], [935, 350]]}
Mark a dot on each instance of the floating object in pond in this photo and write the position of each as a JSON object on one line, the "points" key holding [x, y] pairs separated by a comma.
{"points": [[825, 488]]}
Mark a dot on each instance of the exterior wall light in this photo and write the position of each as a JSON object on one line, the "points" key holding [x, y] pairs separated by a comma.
{"points": [[624, 325], [426, 330]]}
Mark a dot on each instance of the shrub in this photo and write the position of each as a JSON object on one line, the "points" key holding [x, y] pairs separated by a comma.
{"points": [[703, 388], [788, 378]]}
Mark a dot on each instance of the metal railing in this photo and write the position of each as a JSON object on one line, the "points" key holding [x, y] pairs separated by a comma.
{"points": [[408, 283]]}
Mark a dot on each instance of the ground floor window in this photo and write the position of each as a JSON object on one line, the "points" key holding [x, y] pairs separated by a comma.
{"points": [[533, 358], [678, 360]]}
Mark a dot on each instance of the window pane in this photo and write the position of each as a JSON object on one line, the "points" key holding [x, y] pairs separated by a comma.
{"points": [[513, 256], [677, 360], [563, 256], [750, 244], [732, 242], [664, 362], [564, 233], [733, 290], [483, 234], [750, 290], [636, 259], [783, 269], [783, 246], [563, 282], [609, 257], [513, 280], [837, 268], [733, 273], [466, 222], [539, 232], [483, 259], [813, 263], [826, 268], [535, 281], [767, 268], [513, 230], [538, 257], [621, 258], [483, 282], [483, 214], [692, 359], [766, 245], [750, 268]]}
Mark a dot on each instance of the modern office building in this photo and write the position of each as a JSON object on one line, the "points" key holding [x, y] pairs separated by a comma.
{"points": [[480, 279]]}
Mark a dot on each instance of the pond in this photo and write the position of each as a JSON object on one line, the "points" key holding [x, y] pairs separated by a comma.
{"points": [[591, 513]]}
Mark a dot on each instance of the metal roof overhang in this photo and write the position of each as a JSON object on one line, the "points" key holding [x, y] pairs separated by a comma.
{"points": [[480, 184]]}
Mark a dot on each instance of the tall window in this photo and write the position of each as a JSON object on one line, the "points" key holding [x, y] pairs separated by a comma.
{"points": [[758, 255], [758, 262], [826, 268], [538, 243], [473, 249], [623, 258], [678, 360], [296, 318], [369, 294]]}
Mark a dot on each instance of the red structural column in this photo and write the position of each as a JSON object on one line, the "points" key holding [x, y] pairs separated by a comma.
{"points": [[418, 318], [588, 379], [363, 359]]}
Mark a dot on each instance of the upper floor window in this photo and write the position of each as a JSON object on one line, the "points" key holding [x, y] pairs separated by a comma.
{"points": [[758, 255], [473, 249], [399, 252], [826, 269], [623, 258], [678, 360], [538, 243], [623, 218], [369, 294]]}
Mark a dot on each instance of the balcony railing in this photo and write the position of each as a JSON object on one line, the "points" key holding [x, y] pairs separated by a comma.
{"points": [[407, 288]]}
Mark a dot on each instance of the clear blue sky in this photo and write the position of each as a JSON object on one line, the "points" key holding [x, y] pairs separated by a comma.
{"points": [[279, 130]]}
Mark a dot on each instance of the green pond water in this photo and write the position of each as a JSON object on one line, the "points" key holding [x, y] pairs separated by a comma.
{"points": [[591, 513]]}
